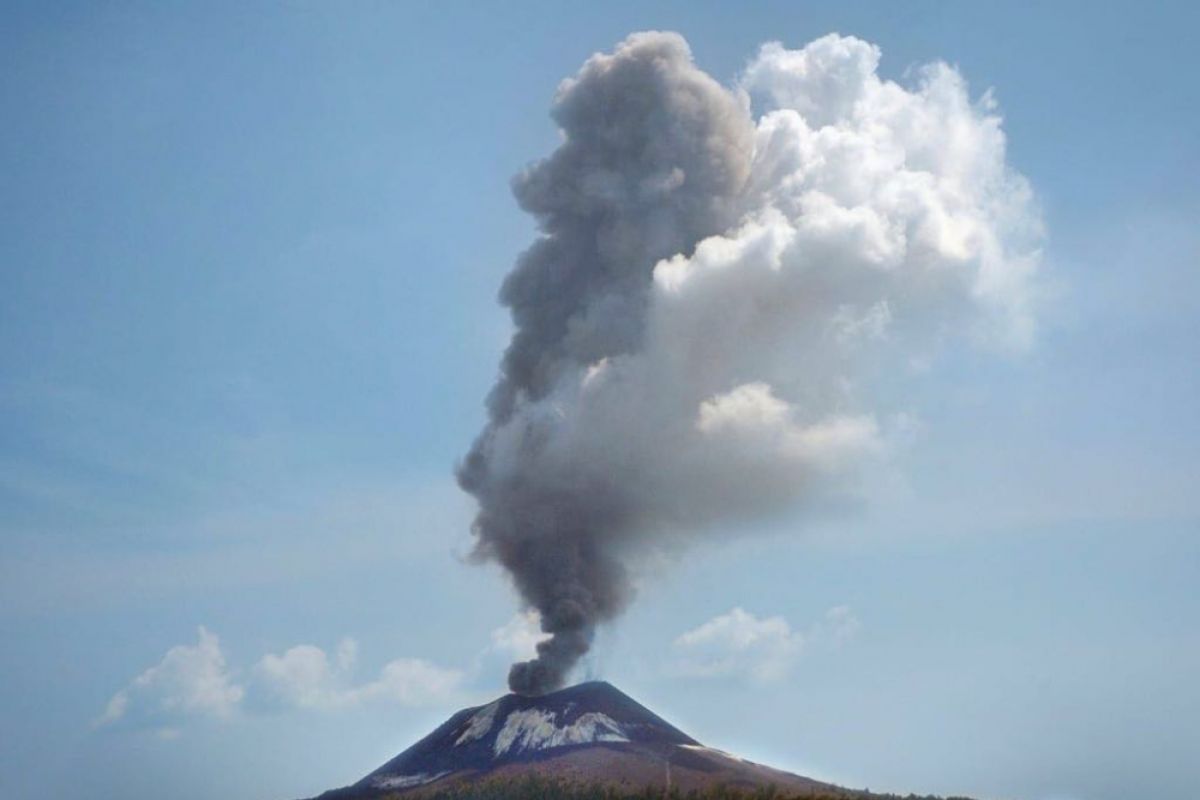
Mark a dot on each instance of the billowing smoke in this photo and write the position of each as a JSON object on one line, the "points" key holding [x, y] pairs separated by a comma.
{"points": [[704, 325]]}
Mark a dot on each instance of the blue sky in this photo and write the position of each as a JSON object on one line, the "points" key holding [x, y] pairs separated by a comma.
{"points": [[248, 266]]}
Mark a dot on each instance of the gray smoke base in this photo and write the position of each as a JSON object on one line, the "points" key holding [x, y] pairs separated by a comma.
{"points": [[706, 296]]}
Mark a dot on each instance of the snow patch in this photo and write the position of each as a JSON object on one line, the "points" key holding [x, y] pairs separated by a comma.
{"points": [[481, 723], [405, 781], [536, 729]]}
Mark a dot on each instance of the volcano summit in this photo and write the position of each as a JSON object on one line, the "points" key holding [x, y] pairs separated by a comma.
{"points": [[591, 733]]}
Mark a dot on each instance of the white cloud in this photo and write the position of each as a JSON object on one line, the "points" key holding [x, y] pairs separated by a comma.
{"points": [[517, 639], [740, 645], [305, 677], [302, 677], [194, 681], [823, 81], [410, 682], [190, 680]]}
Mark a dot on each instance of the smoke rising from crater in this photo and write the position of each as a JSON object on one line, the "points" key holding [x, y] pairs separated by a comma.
{"points": [[724, 280]]}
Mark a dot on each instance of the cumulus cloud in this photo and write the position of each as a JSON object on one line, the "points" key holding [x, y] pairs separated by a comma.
{"points": [[190, 680], [306, 677], [194, 681], [730, 290], [740, 645], [302, 676]]}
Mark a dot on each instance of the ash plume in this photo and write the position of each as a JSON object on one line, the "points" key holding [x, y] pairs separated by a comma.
{"points": [[705, 325]]}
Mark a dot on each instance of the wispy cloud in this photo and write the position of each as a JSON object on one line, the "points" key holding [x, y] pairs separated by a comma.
{"points": [[739, 644], [839, 626], [279, 538]]}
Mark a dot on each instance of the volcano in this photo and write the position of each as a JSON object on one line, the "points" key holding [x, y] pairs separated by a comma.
{"points": [[591, 733]]}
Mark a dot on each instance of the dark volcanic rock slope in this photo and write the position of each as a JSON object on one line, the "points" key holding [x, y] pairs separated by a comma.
{"points": [[591, 732]]}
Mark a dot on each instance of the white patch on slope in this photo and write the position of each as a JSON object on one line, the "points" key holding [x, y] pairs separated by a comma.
{"points": [[536, 729], [699, 748], [405, 781], [481, 723]]}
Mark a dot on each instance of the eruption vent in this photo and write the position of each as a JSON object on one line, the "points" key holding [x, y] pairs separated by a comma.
{"points": [[705, 326]]}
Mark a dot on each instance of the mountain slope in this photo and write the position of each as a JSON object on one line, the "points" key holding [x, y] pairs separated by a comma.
{"points": [[589, 733]]}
